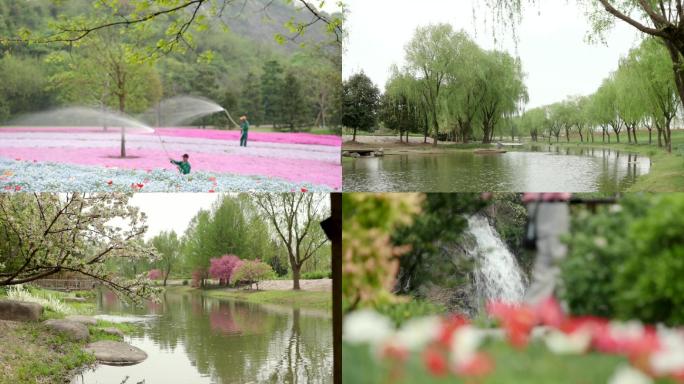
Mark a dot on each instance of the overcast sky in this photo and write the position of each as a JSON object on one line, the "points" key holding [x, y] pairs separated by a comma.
{"points": [[556, 59], [171, 211]]}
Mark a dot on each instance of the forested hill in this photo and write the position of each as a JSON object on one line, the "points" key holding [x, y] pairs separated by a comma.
{"points": [[235, 59], [261, 20], [256, 20]]}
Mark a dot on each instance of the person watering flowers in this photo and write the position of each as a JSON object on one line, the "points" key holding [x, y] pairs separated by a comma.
{"points": [[244, 127], [183, 166]]}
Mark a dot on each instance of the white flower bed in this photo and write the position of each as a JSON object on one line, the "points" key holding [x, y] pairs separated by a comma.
{"points": [[16, 176]]}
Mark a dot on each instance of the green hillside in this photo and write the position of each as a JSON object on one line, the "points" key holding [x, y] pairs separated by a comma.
{"points": [[231, 56]]}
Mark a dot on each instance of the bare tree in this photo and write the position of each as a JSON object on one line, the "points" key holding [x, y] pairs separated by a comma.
{"points": [[296, 217]]}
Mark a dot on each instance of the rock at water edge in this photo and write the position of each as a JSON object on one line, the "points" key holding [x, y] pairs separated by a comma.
{"points": [[116, 353]]}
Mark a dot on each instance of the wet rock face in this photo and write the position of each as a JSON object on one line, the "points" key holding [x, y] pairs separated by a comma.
{"points": [[20, 311], [116, 353], [73, 329]]}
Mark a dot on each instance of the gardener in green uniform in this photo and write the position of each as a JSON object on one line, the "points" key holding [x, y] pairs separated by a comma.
{"points": [[244, 126], [183, 166]]}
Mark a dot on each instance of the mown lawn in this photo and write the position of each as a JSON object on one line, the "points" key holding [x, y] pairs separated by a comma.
{"points": [[303, 299], [535, 365]]}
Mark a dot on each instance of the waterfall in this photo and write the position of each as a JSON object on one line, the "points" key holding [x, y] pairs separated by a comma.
{"points": [[497, 274]]}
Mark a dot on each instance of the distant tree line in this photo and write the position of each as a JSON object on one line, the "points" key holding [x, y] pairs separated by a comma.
{"points": [[450, 90]]}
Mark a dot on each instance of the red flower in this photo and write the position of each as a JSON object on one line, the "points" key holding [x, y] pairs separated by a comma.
{"points": [[211, 191], [435, 362], [110, 182], [518, 321], [17, 188], [478, 366], [212, 178], [8, 187], [304, 190], [550, 313], [140, 185]]}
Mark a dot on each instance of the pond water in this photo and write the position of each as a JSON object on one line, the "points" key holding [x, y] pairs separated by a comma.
{"points": [[190, 338], [536, 169]]}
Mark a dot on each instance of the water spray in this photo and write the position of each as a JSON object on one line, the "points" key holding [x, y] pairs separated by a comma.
{"points": [[230, 118]]}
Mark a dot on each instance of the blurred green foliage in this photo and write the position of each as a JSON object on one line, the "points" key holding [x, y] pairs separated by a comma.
{"points": [[626, 261]]}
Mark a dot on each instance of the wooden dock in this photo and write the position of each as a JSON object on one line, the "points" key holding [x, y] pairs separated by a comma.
{"points": [[363, 152]]}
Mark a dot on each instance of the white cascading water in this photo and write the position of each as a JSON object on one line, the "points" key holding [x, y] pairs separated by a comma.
{"points": [[498, 275]]}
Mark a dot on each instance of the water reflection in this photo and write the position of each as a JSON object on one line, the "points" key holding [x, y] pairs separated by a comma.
{"points": [[195, 339], [539, 169]]}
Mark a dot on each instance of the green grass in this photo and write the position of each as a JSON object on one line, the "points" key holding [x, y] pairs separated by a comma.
{"points": [[667, 170], [535, 365], [303, 299], [31, 354]]}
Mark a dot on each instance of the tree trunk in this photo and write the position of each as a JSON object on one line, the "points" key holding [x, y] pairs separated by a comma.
{"points": [[122, 109], [634, 129], [166, 276], [676, 56], [354, 137], [295, 276]]}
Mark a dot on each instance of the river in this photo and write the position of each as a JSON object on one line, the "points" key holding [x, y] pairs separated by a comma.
{"points": [[194, 339], [538, 169]]}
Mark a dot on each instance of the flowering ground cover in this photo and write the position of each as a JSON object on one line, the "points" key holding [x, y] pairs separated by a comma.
{"points": [[57, 160], [537, 344]]}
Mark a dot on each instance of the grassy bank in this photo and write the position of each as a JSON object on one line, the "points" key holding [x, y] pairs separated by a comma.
{"points": [[31, 353], [302, 299], [667, 170]]}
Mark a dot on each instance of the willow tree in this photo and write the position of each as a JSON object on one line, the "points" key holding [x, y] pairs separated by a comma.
{"points": [[403, 88], [662, 19], [606, 108], [649, 68], [429, 58], [633, 106], [579, 116], [42, 235], [502, 91], [533, 122], [465, 91]]}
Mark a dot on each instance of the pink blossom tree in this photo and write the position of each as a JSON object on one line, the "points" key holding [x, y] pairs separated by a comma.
{"points": [[154, 274], [222, 268]]}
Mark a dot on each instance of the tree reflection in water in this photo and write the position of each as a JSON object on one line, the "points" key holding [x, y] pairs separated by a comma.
{"points": [[231, 342]]}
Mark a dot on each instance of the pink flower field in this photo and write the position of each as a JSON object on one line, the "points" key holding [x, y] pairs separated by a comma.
{"points": [[300, 159]]}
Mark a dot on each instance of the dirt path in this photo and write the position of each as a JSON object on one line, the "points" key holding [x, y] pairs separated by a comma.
{"points": [[323, 285]]}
